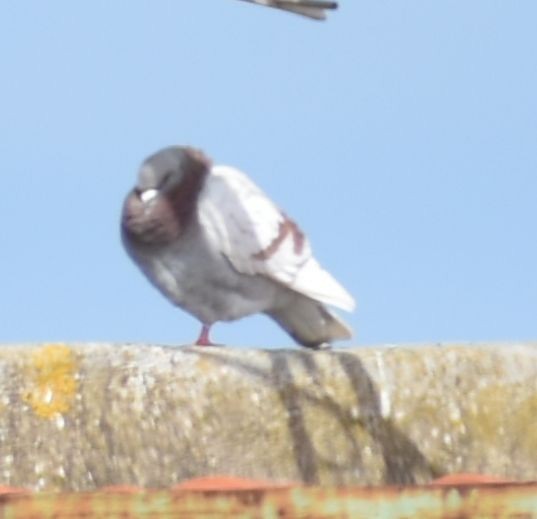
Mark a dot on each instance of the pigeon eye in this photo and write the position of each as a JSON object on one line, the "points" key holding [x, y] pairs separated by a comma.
{"points": [[166, 179]]}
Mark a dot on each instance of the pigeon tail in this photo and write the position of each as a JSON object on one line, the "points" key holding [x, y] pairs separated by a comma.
{"points": [[309, 322]]}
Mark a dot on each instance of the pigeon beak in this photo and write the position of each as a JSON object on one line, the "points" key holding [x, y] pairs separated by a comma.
{"points": [[148, 195]]}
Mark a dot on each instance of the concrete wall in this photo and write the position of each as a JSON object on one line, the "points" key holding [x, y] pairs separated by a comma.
{"points": [[82, 416]]}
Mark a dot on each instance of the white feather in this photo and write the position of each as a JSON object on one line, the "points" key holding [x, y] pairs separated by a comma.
{"points": [[241, 222]]}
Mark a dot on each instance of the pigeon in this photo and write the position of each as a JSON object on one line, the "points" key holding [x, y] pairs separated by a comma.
{"points": [[310, 8], [216, 246]]}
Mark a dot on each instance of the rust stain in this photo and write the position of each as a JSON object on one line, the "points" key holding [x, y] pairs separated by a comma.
{"points": [[122, 489], [8, 490], [229, 483], [52, 383], [466, 478], [512, 501]]}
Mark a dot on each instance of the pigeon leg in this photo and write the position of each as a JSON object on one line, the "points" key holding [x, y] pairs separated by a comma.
{"points": [[203, 339]]}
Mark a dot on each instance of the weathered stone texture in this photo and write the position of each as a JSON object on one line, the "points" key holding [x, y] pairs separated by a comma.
{"points": [[82, 416]]}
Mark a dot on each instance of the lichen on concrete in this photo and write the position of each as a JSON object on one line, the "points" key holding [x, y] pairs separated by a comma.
{"points": [[51, 380], [83, 416]]}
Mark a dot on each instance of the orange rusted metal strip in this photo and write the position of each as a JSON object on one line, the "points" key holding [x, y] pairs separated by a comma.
{"points": [[501, 501]]}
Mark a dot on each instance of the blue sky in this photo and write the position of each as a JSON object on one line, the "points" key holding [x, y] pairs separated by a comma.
{"points": [[402, 137]]}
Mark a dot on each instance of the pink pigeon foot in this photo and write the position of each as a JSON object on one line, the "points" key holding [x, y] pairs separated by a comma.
{"points": [[204, 339]]}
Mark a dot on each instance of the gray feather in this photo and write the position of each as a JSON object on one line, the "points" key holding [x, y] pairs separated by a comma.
{"points": [[311, 8]]}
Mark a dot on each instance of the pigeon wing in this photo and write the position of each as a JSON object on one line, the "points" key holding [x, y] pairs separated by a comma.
{"points": [[259, 239], [311, 8]]}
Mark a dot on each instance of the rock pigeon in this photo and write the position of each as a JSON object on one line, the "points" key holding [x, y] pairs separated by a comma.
{"points": [[216, 246], [311, 8]]}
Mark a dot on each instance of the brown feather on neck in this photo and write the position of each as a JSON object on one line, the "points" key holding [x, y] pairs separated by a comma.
{"points": [[165, 218], [183, 198]]}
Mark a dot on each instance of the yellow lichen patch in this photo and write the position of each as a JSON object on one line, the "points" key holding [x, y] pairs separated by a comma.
{"points": [[52, 380]]}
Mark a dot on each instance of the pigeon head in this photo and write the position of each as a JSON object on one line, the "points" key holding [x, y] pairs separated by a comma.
{"points": [[167, 169], [163, 202]]}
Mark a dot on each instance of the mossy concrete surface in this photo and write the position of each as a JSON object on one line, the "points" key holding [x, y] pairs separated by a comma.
{"points": [[83, 416]]}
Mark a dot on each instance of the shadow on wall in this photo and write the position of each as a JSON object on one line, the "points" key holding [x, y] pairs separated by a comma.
{"points": [[403, 461]]}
